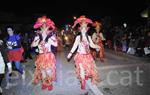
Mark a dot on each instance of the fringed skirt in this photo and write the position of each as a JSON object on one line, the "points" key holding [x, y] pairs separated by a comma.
{"points": [[99, 53], [45, 68], [102, 51], [88, 65]]}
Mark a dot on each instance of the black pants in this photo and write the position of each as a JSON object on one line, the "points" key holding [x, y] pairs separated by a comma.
{"points": [[139, 52], [1, 78], [27, 52]]}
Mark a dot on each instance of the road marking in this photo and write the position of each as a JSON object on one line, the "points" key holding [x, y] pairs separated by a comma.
{"points": [[122, 66], [94, 88]]}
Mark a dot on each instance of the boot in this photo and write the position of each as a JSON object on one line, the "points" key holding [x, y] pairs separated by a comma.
{"points": [[50, 87], [43, 87], [86, 77], [83, 84]]}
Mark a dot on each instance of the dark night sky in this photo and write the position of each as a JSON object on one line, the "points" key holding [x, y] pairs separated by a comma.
{"points": [[63, 11]]}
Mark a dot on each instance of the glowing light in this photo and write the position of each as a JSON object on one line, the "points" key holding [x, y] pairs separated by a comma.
{"points": [[43, 20], [144, 14], [74, 17], [125, 25], [66, 38]]}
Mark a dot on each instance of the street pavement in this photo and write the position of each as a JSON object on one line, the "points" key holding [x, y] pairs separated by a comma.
{"points": [[120, 75]]}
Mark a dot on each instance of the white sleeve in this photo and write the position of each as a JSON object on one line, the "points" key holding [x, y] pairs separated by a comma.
{"points": [[75, 45], [35, 41], [92, 45], [53, 41]]}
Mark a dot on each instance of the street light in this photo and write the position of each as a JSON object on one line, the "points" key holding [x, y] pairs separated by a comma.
{"points": [[74, 17], [125, 25], [144, 14]]}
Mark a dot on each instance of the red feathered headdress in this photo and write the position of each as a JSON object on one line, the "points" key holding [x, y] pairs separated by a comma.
{"points": [[44, 20], [82, 19], [97, 24]]}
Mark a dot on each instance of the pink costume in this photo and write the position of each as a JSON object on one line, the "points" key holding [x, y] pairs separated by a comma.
{"points": [[45, 61], [85, 65]]}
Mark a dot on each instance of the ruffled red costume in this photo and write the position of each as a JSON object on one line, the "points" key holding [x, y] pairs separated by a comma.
{"points": [[98, 41], [45, 62], [85, 59]]}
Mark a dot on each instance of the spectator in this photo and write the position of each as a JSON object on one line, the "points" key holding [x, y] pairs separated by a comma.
{"points": [[15, 50], [26, 45]]}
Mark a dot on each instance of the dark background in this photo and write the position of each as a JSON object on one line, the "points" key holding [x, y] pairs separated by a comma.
{"points": [[62, 12]]}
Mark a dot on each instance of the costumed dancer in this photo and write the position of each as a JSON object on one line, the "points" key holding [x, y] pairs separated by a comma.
{"points": [[15, 50], [98, 39], [45, 62], [86, 69]]}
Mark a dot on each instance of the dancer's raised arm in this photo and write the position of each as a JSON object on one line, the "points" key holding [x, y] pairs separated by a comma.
{"points": [[75, 45]]}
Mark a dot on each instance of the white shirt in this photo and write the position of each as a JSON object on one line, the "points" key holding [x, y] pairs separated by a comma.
{"points": [[46, 45], [83, 49], [2, 64]]}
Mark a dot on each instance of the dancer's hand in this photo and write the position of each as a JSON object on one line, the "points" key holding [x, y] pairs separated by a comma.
{"points": [[36, 38], [53, 37]]}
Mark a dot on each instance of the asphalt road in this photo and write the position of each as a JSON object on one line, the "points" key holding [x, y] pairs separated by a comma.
{"points": [[120, 75]]}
